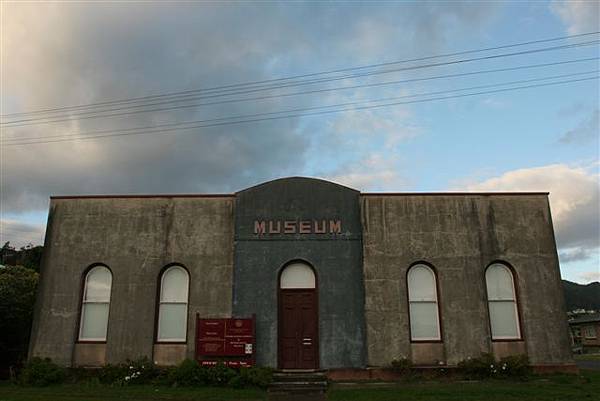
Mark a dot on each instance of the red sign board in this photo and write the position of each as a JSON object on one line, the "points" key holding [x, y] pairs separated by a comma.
{"points": [[229, 340]]}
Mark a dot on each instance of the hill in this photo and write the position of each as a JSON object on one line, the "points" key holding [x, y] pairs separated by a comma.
{"points": [[580, 296]]}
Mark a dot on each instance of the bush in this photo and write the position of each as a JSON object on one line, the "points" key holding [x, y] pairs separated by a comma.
{"points": [[515, 366], [486, 366], [41, 372], [187, 373], [256, 377], [140, 371], [219, 375], [401, 366], [17, 297], [478, 368]]}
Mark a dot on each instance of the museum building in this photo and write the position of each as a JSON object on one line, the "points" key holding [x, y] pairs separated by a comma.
{"points": [[328, 277]]}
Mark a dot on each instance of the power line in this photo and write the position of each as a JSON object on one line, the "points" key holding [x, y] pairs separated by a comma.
{"points": [[213, 123], [85, 115], [254, 83], [309, 108]]}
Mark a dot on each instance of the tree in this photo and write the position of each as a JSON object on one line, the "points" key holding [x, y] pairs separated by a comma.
{"points": [[18, 286]]}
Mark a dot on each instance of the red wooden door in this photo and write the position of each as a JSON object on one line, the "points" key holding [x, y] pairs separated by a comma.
{"points": [[298, 329]]}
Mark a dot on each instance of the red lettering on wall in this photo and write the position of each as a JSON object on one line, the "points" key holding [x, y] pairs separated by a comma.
{"points": [[305, 227], [335, 226], [262, 227], [289, 227], [273, 230], [322, 229], [259, 227]]}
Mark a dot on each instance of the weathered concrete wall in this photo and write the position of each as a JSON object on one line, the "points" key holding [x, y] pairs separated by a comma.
{"points": [[89, 354], [460, 235], [135, 238], [336, 258]]}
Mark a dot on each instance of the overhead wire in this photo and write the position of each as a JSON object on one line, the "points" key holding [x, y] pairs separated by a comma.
{"points": [[249, 118], [254, 83], [85, 116]]}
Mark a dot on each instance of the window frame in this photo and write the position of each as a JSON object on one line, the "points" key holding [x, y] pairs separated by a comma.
{"points": [[515, 301], [83, 303], [159, 302], [590, 329], [439, 338]]}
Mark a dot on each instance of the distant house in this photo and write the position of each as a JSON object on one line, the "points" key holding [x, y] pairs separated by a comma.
{"points": [[585, 333]]}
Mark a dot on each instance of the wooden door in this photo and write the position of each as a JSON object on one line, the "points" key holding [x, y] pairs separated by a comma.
{"points": [[298, 329]]}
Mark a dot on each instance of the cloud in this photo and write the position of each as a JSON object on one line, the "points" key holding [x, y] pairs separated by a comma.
{"points": [[375, 172], [588, 129], [75, 53], [574, 255], [590, 276], [574, 202], [578, 16], [20, 234]]}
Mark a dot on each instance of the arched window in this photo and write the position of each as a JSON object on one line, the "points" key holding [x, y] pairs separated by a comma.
{"points": [[502, 302], [423, 306], [95, 304], [173, 303], [297, 275]]}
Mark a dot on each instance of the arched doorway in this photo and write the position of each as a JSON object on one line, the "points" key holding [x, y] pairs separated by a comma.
{"points": [[298, 317]]}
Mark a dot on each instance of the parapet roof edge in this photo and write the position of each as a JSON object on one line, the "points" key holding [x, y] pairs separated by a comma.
{"points": [[143, 196], [450, 193], [232, 195]]}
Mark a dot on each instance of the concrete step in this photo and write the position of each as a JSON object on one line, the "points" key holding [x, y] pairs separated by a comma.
{"points": [[299, 384], [309, 384], [299, 378]]}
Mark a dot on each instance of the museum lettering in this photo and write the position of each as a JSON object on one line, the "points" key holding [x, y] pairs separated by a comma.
{"points": [[330, 226]]}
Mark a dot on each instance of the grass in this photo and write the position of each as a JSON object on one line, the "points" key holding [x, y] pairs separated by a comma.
{"points": [[587, 357], [87, 392], [583, 387]]}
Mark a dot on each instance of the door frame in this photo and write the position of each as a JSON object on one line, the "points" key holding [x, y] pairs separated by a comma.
{"points": [[280, 320]]}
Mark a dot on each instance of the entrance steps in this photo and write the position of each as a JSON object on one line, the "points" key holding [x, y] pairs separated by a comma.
{"points": [[298, 385]]}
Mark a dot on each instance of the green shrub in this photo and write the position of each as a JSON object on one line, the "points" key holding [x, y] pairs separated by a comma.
{"points": [[187, 373], [256, 376], [515, 366], [111, 374], [41, 372], [236, 382], [219, 375], [140, 371], [402, 365], [479, 368], [486, 366]]}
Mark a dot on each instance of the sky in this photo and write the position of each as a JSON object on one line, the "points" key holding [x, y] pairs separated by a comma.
{"points": [[541, 138]]}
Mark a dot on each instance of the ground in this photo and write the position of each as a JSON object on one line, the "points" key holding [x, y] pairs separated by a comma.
{"points": [[588, 361], [583, 387]]}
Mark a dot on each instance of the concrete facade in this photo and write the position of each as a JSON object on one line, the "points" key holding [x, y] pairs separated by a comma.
{"points": [[135, 238], [460, 235], [361, 271]]}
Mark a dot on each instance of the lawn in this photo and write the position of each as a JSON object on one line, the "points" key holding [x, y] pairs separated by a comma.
{"points": [[587, 357], [83, 392], [584, 387]]}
